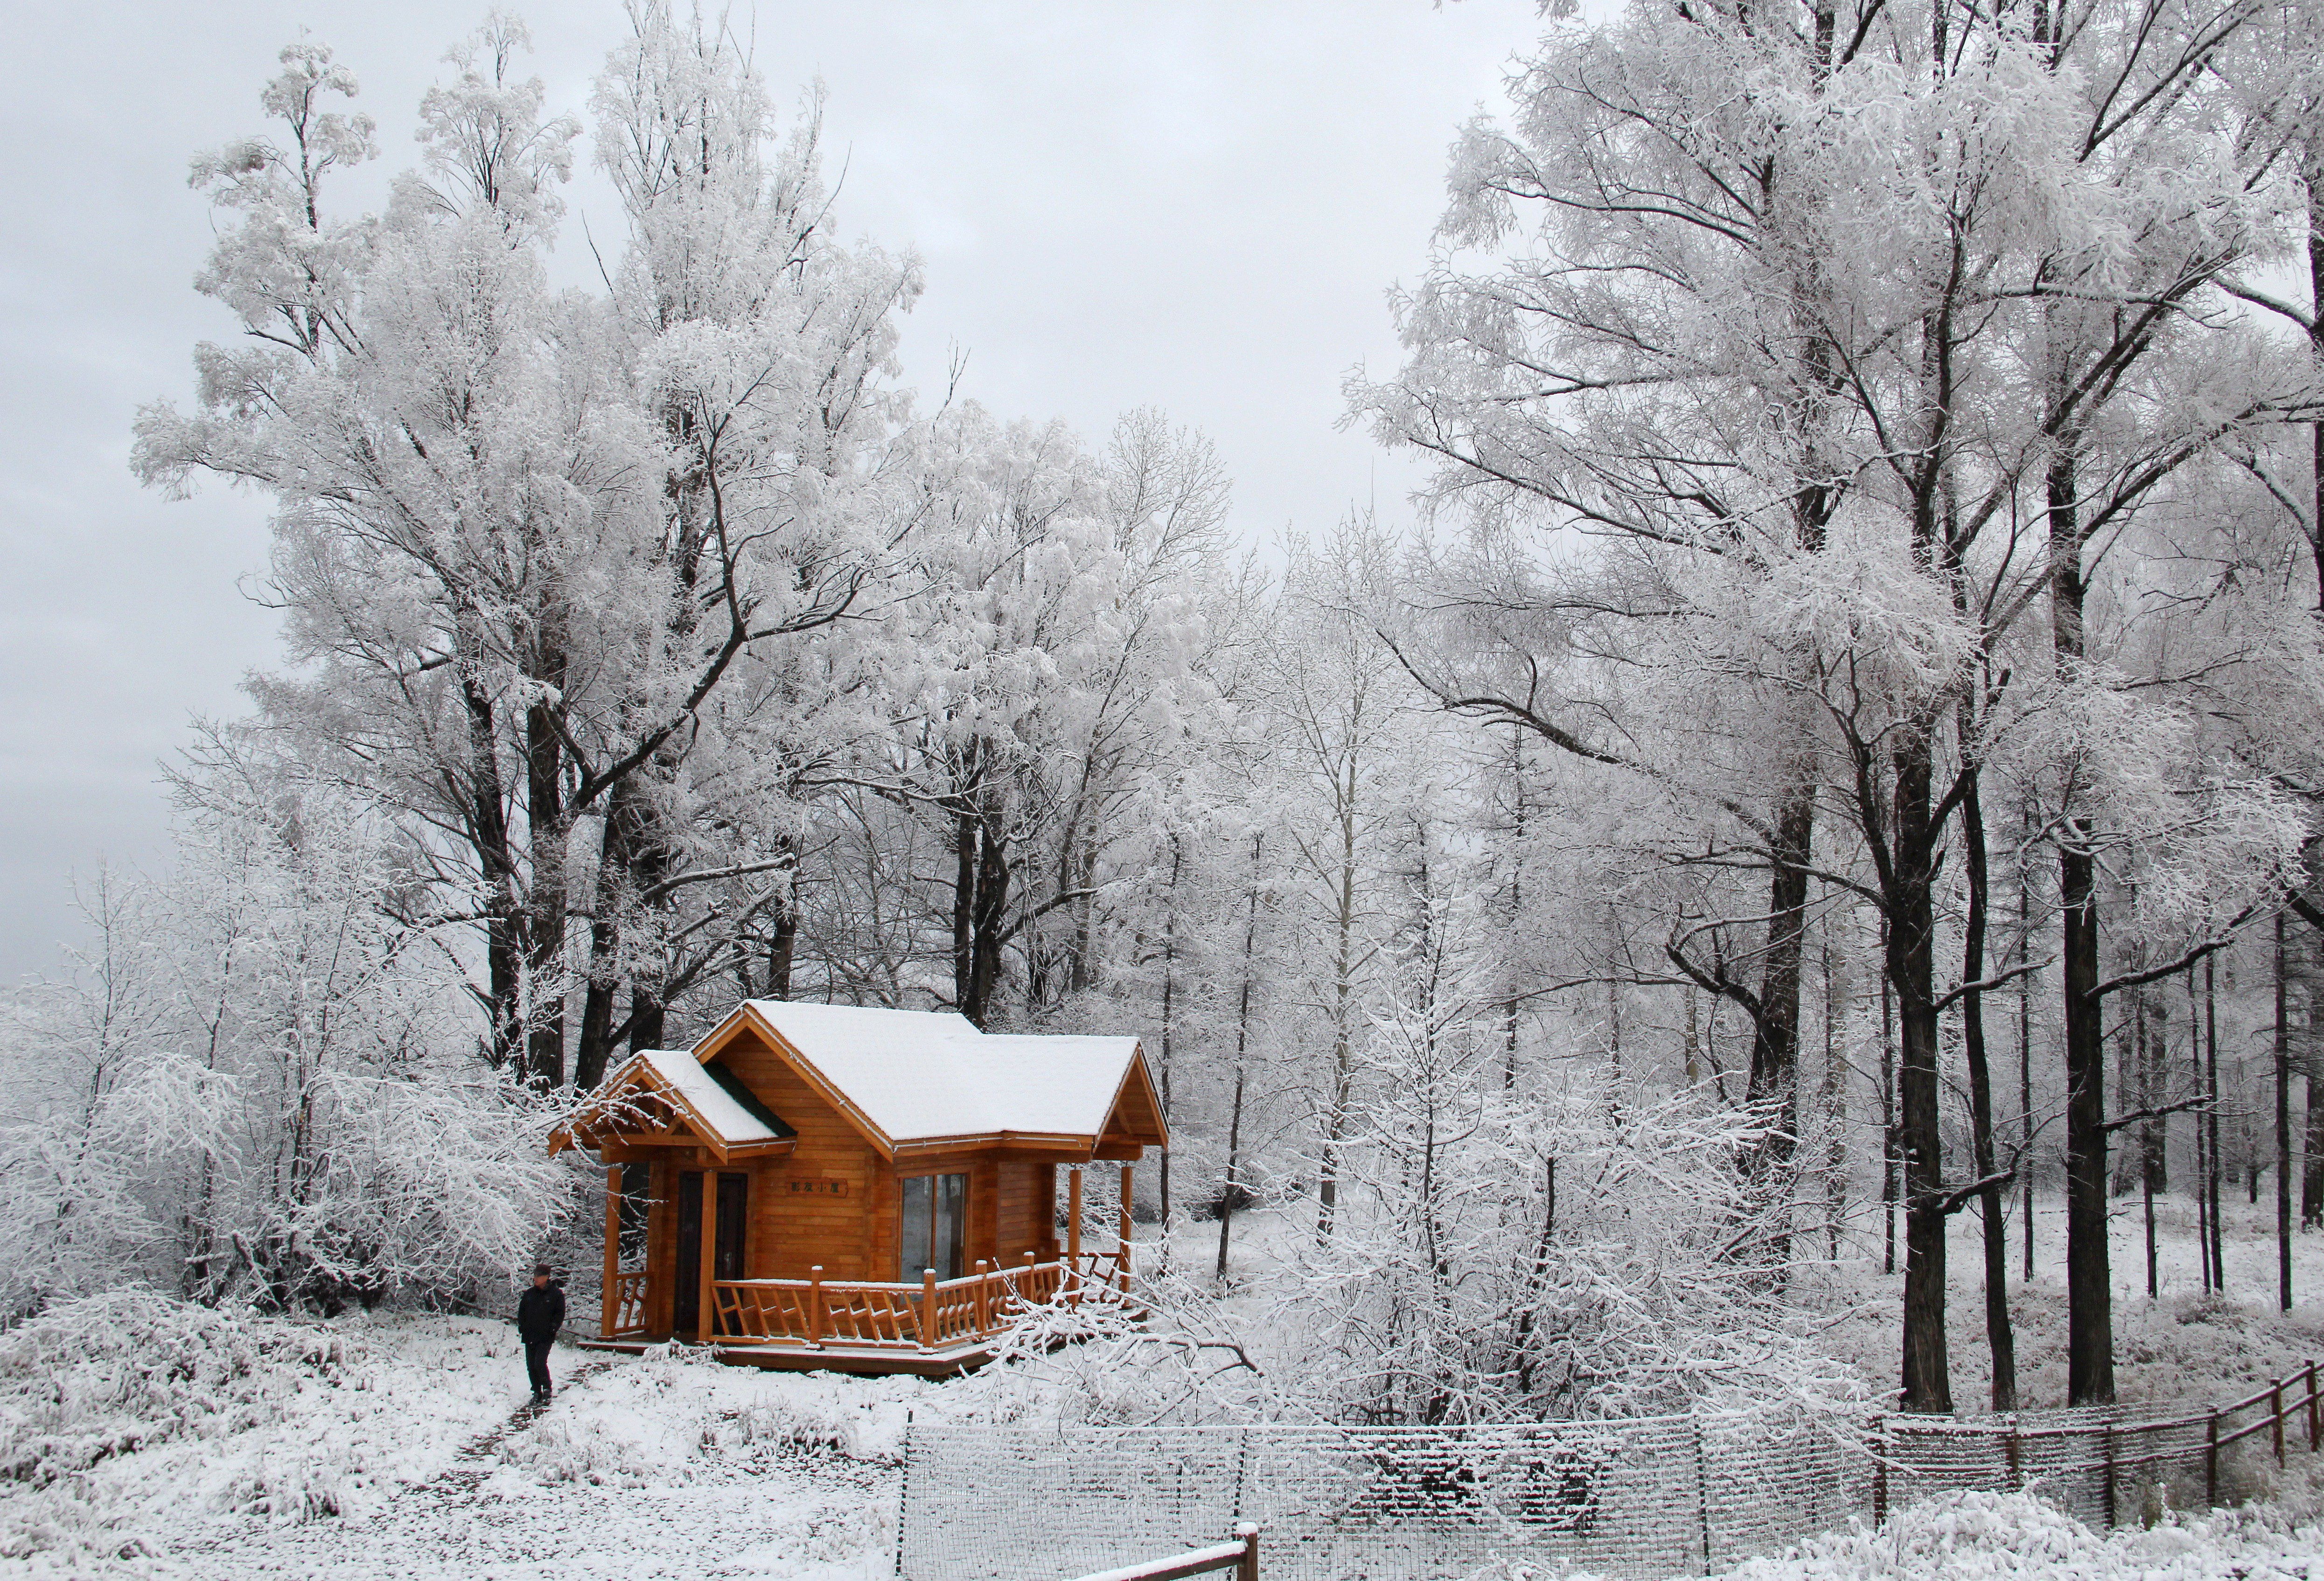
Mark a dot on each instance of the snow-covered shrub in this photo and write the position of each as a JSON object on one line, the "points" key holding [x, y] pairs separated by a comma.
{"points": [[261, 1081], [110, 1377], [112, 1374], [1566, 1254]]}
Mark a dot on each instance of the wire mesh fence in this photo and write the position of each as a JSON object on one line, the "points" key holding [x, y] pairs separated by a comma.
{"points": [[1649, 1498], [1633, 1498]]}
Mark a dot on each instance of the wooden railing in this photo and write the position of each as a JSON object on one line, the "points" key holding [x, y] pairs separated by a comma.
{"points": [[1240, 1556], [2279, 1409], [2116, 1447], [626, 1304], [932, 1315]]}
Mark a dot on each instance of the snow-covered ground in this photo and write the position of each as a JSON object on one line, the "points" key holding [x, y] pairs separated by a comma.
{"points": [[138, 1438], [143, 1440], [2178, 1349]]}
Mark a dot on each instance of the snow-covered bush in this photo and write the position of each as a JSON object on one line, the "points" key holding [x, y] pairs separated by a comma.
{"points": [[1574, 1251], [261, 1081]]}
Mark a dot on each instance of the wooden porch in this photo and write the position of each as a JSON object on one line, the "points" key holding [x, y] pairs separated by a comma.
{"points": [[935, 1327]]}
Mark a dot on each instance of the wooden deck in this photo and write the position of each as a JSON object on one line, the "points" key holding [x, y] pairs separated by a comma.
{"points": [[880, 1362], [935, 1328]]}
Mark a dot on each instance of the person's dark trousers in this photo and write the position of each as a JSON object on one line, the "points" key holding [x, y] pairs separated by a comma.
{"points": [[536, 1365]]}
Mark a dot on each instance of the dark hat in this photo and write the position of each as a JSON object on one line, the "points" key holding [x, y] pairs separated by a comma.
{"points": [[540, 1270]]}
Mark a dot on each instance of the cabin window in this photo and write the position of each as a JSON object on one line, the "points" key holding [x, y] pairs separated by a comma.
{"points": [[935, 1225]]}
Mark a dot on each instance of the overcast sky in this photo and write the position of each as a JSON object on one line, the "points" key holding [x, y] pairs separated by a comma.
{"points": [[1191, 205]]}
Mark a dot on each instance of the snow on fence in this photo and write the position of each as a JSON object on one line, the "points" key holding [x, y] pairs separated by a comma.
{"points": [[1634, 1498], [1646, 1498]]}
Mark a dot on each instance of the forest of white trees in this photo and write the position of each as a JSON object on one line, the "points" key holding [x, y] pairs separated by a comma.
{"points": [[1840, 745]]}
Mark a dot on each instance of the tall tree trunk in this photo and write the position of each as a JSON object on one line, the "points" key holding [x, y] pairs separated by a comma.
{"points": [[616, 854], [1169, 1004], [2025, 1029], [1516, 915], [1912, 967], [1230, 1191], [2089, 1284], [964, 829], [782, 944], [2282, 1132], [488, 835], [2211, 1090], [2202, 1142], [1335, 1115], [1888, 1193], [547, 830], [1833, 1099], [1773, 1089], [1998, 1338]]}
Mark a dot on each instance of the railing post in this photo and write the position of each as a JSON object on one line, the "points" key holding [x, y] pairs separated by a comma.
{"points": [[927, 1309], [612, 1300], [984, 1299], [2211, 1460], [1073, 1231], [1247, 1569], [1124, 1263], [815, 1308], [2275, 1404], [2316, 1424]]}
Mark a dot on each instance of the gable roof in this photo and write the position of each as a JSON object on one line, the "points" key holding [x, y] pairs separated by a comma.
{"points": [[708, 1100], [919, 1077]]}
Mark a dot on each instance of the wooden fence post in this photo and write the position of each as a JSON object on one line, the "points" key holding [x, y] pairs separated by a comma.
{"points": [[1880, 1480], [1703, 1496], [983, 1300], [2275, 1404], [2211, 1459], [2011, 1451], [927, 1309], [1247, 1569], [2107, 1435], [2316, 1424], [815, 1308]]}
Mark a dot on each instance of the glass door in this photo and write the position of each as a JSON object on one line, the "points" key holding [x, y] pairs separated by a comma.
{"points": [[934, 1229]]}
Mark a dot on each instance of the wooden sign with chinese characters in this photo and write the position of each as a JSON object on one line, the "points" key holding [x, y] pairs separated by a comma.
{"points": [[815, 1188]]}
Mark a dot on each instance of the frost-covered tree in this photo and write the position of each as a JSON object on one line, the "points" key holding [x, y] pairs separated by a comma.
{"points": [[251, 1085]]}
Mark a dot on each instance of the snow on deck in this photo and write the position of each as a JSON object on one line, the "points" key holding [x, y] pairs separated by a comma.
{"points": [[920, 1074]]}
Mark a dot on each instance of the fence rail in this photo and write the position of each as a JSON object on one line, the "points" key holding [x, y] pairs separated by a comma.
{"points": [[1643, 1498], [1240, 1556]]}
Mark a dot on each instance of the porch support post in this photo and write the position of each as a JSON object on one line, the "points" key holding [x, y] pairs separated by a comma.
{"points": [[611, 1297], [1125, 1226], [1073, 1229], [708, 1317]]}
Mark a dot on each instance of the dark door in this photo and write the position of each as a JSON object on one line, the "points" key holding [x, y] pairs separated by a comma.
{"points": [[734, 1223], [685, 1307]]}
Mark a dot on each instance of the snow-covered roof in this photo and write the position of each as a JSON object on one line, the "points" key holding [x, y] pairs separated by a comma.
{"points": [[703, 1093], [917, 1075], [711, 1101]]}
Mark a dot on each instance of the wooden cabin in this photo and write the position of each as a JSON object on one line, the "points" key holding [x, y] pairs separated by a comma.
{"points": [[860, 1189]]}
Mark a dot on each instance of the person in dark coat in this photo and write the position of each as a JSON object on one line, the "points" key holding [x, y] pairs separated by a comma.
{"points": [[539, 1314]]}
